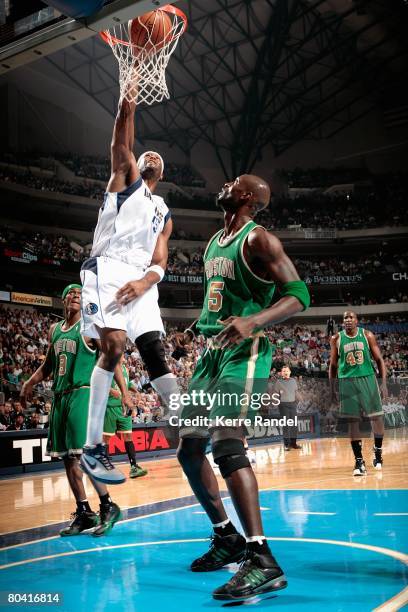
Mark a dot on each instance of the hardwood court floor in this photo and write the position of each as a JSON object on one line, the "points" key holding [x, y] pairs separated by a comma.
{"points": [[44, 498]]}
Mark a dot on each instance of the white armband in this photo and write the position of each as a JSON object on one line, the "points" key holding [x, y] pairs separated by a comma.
{"points": [[158, 269], [193, 329]]}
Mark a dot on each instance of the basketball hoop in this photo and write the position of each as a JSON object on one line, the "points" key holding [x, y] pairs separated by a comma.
{"points": [[142, 69]]}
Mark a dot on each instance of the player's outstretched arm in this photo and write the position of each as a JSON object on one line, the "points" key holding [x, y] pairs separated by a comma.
{"points": [[124, 169], [41, 373], [378, 358], [154, 273], [267, 251]]}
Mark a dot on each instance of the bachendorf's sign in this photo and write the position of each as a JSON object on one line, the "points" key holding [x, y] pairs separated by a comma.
{"points": [[335, 279]]}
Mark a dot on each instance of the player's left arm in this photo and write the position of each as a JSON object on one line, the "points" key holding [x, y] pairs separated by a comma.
{"points": [[41, 373], [378, 358], [268, 250], [154, 273]]}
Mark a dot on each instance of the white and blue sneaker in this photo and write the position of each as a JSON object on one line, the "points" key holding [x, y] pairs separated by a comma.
{"points": [[97, 464]]}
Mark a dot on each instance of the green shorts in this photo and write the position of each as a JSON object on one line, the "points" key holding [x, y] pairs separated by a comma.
{"points": [[68, 423], [226, 386], [360, 396], [115, 421]]}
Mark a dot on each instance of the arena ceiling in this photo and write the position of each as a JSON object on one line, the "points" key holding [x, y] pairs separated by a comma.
{"points": [[247, 74]]}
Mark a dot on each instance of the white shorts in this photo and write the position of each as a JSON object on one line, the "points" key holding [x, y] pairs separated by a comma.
{"points": [[101, 278]]}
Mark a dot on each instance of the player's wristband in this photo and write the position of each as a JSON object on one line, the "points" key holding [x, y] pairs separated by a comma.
{"points": [[298, 290], [193, 329], [158, 270]]}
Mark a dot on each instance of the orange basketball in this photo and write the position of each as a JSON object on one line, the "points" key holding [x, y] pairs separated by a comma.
{"points": [[150, 31]]}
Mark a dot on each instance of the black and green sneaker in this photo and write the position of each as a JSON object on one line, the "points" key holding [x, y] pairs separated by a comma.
{"points": [[109, 514], [223, 550], [136, 471], [82, 521], [257, 575]]}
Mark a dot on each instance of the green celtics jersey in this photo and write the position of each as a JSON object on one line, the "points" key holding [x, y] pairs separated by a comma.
{"points": [[230, 287], [72, 359], [117, 401], [354, 355]]}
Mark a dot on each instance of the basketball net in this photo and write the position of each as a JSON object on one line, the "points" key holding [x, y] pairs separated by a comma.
{"points": [[142, 70]]}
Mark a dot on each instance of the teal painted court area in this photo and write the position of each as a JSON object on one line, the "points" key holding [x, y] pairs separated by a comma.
{"points": [[341, 550]]}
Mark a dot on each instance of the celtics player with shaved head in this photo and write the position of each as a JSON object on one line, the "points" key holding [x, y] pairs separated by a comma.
{"points": [[352, 351], [243, 264], [70, 360]]}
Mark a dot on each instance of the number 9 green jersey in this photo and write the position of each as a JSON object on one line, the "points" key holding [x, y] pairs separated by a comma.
{"points": [[72, 359]]}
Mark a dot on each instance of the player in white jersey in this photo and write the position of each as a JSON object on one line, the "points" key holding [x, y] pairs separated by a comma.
{"points": [[119, 295]]}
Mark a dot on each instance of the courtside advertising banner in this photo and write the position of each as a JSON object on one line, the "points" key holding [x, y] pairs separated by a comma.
{"points": [[29, 298]]}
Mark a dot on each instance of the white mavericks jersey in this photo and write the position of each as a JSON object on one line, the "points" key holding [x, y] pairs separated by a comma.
{"points": [[129, 224]]}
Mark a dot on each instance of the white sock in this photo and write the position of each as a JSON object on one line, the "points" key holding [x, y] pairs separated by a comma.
{"points": [[101, 381], [260, 539], [166, 386], [223, 524]]}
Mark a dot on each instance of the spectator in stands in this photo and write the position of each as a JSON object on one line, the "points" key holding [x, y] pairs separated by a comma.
{"points": [[17, 410], [34, 421], [18, 424], [5, 416]]}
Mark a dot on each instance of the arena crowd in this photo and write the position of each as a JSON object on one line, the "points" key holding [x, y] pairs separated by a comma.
{"points": [[185, 261], [376, 201], [24, 343]]}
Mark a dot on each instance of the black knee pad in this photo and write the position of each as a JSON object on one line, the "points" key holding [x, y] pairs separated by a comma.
{"points": [[230, 456], [191, 450], [152, 352]]}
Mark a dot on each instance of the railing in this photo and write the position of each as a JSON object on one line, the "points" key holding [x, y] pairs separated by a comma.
{"points": [[324, 234]]}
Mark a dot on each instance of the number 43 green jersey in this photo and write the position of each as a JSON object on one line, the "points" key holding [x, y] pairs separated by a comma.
{"points": [[354, 355], [230, 286]]}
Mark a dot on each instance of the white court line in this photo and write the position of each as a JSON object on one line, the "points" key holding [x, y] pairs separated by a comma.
{"points": [[390, 514], [395, 603], [395, 554], [304, 512]]}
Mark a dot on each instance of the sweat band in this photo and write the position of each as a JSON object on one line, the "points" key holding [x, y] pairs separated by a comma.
{"points": [[298, 290], [68, 289], [141, 160], [193, 329], [158, 269]]}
